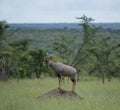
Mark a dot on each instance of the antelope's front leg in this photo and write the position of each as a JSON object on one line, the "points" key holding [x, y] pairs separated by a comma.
{"points": [[73, 87], [59, 80], [74, 84]]}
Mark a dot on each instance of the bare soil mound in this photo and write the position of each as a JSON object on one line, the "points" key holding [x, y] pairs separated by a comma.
{"points": [[59, 93]]}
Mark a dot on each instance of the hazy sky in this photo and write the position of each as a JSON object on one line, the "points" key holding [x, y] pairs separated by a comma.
{"points": [[42, 11]]}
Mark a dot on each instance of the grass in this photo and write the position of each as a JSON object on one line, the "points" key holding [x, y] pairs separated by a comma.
{"points": [[22, 95]]}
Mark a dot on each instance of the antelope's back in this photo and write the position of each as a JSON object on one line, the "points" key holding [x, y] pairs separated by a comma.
{"points": [[68, 70]]}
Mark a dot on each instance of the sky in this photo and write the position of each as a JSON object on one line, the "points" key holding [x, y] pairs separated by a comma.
{"points": [[58, 11]]}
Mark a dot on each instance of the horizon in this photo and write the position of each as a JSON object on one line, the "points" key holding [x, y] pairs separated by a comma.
{"points": [[62, 25]]}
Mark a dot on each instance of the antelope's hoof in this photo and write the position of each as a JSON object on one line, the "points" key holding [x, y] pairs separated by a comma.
{"points": [[59, 88]]}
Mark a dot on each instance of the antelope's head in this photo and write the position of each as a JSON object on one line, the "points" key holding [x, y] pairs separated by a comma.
{"points": [[46, 61]]}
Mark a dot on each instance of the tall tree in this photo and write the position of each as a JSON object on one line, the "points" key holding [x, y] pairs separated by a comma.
{"points": [[4, 53], [89, 32]]}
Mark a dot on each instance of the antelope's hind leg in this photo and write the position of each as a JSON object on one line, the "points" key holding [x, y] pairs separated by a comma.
{"points": [[73, 81], [74, 84]]}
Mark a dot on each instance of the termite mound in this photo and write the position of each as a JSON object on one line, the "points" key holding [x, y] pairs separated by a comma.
{"points": [[58, 92]]}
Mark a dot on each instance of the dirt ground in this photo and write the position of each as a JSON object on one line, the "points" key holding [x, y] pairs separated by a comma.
{"points": [[58, 92]]}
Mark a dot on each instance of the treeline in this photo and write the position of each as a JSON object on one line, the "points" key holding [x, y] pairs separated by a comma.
{"points": [[15, 58], [93, 51]]}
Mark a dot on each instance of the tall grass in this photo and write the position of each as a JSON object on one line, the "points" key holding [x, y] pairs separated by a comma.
{"points": [[22, 95]]}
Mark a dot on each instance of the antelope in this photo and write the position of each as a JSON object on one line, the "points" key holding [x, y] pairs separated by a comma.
{"points": [[61, 69]]}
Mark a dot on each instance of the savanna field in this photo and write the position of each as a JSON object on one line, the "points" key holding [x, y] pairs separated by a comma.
{"points": [[27, 49], [22, 95]]}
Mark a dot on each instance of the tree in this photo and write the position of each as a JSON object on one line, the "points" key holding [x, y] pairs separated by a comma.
{"points": [[38, 58], [89, 32], [4, 53], [67, 49], [102, 50], [5, 65], [19, 49], [25, 65]]}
